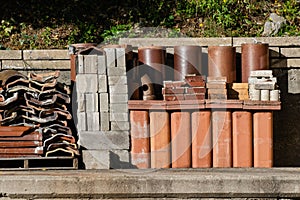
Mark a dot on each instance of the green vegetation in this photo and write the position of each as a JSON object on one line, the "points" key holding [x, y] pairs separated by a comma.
{"points": [[36, 24]]}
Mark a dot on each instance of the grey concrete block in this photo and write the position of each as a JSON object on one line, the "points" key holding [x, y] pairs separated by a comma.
{"points": [[80, 64], [119, 159], [117, 80], [90, 64], [96, 159], [110, 57], [81, 121], [294, 81], [118, 108], [93, 121], [121, 57], [118, 89], [119, 126], [102, 83], [91, 102], [102, 65], [293, 62], [118, 98], [116, 71], [10, 54], [81, 102], [104, 121], [290, 52], [43, 54], [100, 140], [120, 117], [36, 64], [87, 83], [104, 104]]}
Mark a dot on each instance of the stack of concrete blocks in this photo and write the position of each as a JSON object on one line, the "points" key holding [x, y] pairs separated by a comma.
{"points": [[102, 101], [262, 86], [217, 87]]}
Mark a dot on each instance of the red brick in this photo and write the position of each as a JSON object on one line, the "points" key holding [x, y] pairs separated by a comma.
{"points": [[195, 90], [201, 139], [194, 96], [160, 139], [140, 139], [178, 90], [173, 97], [242, 139], [181, 140], [222, 139], [263, 139]]}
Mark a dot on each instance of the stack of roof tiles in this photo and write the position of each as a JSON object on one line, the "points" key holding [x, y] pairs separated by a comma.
{"points": [[262, 86], [35, 108], [192, 88]]}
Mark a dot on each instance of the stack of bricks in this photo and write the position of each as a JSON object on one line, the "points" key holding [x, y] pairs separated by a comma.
{"points": [[238, 91], [193, 88], [216, 87], [262, 86], [102, 113]]}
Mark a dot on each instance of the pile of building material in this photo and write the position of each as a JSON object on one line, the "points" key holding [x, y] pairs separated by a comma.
{"points": [[102, 118], [36, 103], [263, 86], [238, 91], [216, 87]]}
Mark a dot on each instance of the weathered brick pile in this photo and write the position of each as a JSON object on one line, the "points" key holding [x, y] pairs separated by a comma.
{"points": [[102, 114]]}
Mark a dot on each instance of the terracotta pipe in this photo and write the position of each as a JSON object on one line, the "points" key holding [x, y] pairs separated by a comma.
{"points": [[263, 139], [153, 58], [181, 140], [201, 139], [242, 139], [187, 60], [255, 56], [222, 62], [140, 138], [160, 139], [222, 139]]}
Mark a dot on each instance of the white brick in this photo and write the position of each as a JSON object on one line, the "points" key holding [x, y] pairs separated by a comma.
{"points": [[104, 105], [87, 83], [96, 159], [80, 64], [116, 71], [102, 65], [90, 64], [93, 122], [119, 159], [120, 126], [91, 102], [120, 117], [118, 98], [118, 108], [81, 102], [117, 80], [110, 57], [102, 81], [81, 121], [104, 121], [121, 57], [118, 89]]}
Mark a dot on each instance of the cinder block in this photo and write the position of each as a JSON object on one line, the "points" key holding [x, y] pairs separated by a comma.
{"points": [[118, 98], [100, 140], [121, 57], [119, 117], [119, 159], [116, 71], [80, 64], [117, 80], [118, 108], [91, 102], [96, 159], [294, 81], [81, 121], [50, 54], [110, 57], [104, 121], [87, 83], [102, 81], [101, 65], [10, 54], [119, 126], [90, 64], [93, 121], [104, 105], [118, 89]]}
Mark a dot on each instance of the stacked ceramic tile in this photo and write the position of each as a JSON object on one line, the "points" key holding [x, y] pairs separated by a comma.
{"points": [[238, 91], [102, 101], [263, 86], [216, 87]]}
